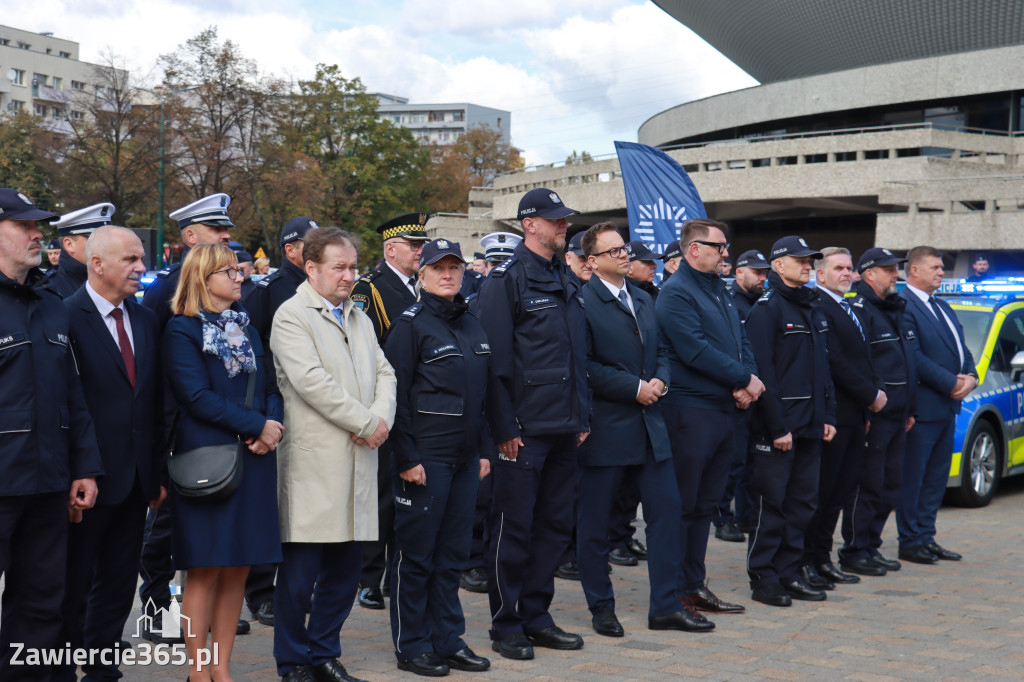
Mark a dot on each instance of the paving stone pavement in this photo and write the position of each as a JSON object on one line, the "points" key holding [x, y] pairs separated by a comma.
{"points": [[952, 621]]}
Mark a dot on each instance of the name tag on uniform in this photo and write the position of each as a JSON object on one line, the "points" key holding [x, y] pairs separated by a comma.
{"points": [[15, 339], [540, 303]]}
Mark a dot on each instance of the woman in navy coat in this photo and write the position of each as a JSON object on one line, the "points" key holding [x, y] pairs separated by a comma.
{"points": [[208, 357]]}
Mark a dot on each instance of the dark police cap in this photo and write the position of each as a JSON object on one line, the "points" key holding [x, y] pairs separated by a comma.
{"points": [[752, 259], [792, 246], [438, 249], [576, 244], [639, 251], [478, 256], [876, 257], [16, 206], [543, 203], [54, 244], [673, 250], [243, 256], [979, 257], [410, 226], [296, 229]]}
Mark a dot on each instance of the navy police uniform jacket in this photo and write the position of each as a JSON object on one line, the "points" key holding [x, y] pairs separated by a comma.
{"points": [[471, 281], [126, 419], [158, 296], [383, 297], [268, 294], [440, 356], [622, 350], [47, 438], [889, 337], [532, 311], [710, 352], [849, 357], [66, 279], [742, 300], [789, 332], [937, 361]]}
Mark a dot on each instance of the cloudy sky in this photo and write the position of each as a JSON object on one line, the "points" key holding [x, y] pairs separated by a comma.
{"points": [[575, 74]]}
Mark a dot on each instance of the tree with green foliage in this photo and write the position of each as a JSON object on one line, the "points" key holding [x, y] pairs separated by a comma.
{"points": [[23, 159]]}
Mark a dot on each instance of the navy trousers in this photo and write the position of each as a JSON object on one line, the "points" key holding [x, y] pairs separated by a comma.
{"points": [[377, 554], [156, 566], [33, 561], [103, 552], [531, 521], [878, 489], [433, 533], [259, 586], [702, 442], [329, 574], [656, 482], [841, 461], [925, 474], [624, 505], [737, 486], [481, 525], [784, 488]]}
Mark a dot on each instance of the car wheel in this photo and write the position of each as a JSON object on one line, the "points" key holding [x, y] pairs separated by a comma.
{"points": [[981, 462]]}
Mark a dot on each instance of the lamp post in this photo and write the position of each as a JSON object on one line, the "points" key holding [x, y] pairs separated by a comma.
{"points": [[160, 173]]}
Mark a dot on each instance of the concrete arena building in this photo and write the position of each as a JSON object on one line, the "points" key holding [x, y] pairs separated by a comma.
{"points": [[890, 124]]}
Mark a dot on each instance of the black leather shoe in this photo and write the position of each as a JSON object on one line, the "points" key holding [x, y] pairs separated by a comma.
{"points": [[943, 553], [465, 659], [772, 595], [474, 580], [680, 620], [918, 555], [817, 582], [332, 671], [302, 673], [828, 571], [887, 564], [706, 600], [605, 623], [729, 532], [637, 549], [265, 613], [863, 567], [154, 633], [620, 556], [798, 589], [371, 598], [514, 646], [428, 665], [554, 637], [243, 628], [568, 571]]}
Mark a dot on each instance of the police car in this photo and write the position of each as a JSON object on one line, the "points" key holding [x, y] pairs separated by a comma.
{"points": [[988, 443]]}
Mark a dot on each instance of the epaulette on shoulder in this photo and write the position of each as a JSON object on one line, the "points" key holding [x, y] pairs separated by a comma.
{"points": [[272, 277], [501, 268], [857, 301], [411, 312], [164, 272], [370, 276], [766, 295]]}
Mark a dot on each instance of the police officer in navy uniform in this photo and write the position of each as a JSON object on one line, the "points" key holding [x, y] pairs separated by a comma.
{"points": [[74, 229], [795, 414], [538, 407], [245, 265], [50, 458], [440, 356], [643, 267], [498, 247], [52, 256], [880, 309], [204, 221], [471, 282], [383, 295], [671, 259], [746, 288]]}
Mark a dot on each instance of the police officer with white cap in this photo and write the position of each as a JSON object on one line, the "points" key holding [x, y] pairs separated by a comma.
{"points": [[498, 247], [74, 229]]}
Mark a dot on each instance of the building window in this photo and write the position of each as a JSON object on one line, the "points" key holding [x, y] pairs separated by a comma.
{"points": [[4, 41], [418, 118], [77, 85], [436, 116], [57, 83], [40, 110], [77, 115], [397, 118], [56, 114], [459, 116], [23, 46], [499, 121], [18, 77], [16, 105], [66, 55], [40, 79]]}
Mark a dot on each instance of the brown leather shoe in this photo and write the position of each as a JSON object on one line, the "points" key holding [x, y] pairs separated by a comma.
{"points": [[705, 600]]}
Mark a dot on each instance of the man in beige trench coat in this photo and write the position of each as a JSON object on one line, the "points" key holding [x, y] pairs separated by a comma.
{"points": [[339, 403]]}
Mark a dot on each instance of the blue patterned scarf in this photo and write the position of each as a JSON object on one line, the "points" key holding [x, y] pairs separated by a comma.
{"points": [[225, 339]]}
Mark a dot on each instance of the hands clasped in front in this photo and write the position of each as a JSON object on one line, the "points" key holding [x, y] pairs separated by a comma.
{"points": [[268, 439], [377, 438], [748, 394]]}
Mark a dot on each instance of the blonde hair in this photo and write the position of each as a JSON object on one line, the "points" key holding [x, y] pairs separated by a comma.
{"points": [[259, 263], [202, 260]]}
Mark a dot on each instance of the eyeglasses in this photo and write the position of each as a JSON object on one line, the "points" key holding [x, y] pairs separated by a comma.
{"points": [[232, 272], [721, 246], [614, 252], [415, 246]]}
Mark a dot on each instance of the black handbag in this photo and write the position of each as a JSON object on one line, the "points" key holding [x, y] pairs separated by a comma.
{"points": [[212, 472]]}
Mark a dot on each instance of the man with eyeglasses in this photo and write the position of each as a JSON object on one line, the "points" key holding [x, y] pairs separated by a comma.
{"points": [[713, 373], [795, 415], [384, 294], [538, 407]]}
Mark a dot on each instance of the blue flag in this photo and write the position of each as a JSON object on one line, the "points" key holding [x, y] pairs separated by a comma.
{"points": [[660, 196]]}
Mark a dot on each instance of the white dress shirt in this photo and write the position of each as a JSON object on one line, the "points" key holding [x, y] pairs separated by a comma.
{"points": [[404, 278], [105, 307], [938, 311]]}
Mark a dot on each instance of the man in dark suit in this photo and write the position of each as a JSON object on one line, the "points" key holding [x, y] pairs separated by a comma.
{"points": [[627, 370], [858, 390], [945, 375], [384, 294], [117, 340]]}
